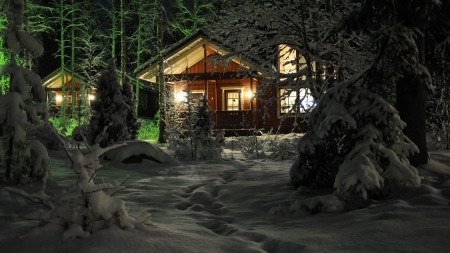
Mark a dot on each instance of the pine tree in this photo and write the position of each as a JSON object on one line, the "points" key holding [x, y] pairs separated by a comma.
{"points": [[24, 104], [397, 33], [109, 110]]}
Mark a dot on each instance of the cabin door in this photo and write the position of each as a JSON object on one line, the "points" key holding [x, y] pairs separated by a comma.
{"points": [[232, 100]]}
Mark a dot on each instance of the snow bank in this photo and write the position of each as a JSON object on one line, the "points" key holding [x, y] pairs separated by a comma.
{"points": [[138, 149]]}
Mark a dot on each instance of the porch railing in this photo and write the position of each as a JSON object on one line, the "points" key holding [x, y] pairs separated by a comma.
{"points": [[233, 119]]}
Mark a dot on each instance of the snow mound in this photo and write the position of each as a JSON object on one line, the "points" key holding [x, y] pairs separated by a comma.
{"points": [[136, 150]]}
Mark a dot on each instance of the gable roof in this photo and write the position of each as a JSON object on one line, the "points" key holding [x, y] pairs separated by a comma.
{"points": [[186, 53], [53, 80]]}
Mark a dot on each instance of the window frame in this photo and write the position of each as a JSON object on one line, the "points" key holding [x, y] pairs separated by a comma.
{"points": [[301, 109], [241, 90]]}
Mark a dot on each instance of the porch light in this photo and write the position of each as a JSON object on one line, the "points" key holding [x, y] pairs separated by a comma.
{"points": [[91, 97], [180, 96], [249, 94], [58, 98]]}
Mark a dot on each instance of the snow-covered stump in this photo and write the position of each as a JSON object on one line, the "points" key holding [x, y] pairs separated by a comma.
{"points": [[355, 144], [84, 207]]}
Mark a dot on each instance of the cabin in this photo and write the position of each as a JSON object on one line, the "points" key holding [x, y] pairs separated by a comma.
{"points": [[52, 83], [242, 99]]}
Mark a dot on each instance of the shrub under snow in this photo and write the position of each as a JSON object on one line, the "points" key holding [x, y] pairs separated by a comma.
{"points": [[84, 207], [355, 144]]}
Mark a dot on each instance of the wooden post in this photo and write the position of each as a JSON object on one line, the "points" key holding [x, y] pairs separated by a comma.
{"points": [[204, 71]]}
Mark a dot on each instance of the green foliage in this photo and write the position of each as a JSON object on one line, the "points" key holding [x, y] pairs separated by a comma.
{"points": [[188, 19], [64, 128], [149, 129], [4, 57]]}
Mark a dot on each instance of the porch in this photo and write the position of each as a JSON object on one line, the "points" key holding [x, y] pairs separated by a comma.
{"points": [[228, 120]]}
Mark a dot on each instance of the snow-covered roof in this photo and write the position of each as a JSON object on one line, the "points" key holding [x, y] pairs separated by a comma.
{"points": [[186, 53]]}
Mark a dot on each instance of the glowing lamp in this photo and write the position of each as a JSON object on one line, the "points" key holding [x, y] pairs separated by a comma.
{"points": [[58, 98], [180, 96], [91, 97], [249, 94]]}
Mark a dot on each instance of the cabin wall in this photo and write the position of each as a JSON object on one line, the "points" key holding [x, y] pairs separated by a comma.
{"points": [[268, 115], [151, 103], [216, 88], [212, 67]]}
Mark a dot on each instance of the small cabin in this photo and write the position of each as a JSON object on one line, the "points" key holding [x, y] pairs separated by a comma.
{"points": [[235, 90], [147, 101]]}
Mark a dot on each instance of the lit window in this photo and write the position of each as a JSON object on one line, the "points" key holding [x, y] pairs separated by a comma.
{"points": [[288, 99]]}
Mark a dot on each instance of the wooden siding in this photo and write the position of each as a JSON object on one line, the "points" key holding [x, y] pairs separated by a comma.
{"points": [[211, 67], [272, 120]]}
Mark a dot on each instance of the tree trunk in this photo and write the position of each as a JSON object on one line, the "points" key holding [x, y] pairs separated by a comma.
{"points": [[162, 90], [113, 29], [411, 107], [138, 51], [27, 55], [410, 91], [62, 117], [72, 60], [122, 43]]}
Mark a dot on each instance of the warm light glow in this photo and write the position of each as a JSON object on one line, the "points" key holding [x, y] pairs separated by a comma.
{"points": [[91, 97], [58, 98], [249, 94], [180, 96]]}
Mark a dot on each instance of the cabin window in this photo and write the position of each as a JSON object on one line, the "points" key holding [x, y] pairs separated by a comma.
{"points": [[232, 100], [288, 98], [143, 101], [181, 99]]}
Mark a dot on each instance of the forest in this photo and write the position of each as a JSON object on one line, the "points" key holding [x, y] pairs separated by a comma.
{"points": [[225, 126]]}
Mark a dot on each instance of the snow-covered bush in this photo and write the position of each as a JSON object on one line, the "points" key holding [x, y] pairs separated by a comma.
{"points": [[189, 128], [84, 207], [250, 146], [281, 147], [207, 145], [438, 113], [43, 133], [109, 109], [25, 104], [80, 135], [355, 144]]}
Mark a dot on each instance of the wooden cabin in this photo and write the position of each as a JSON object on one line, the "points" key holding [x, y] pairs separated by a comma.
{"points": [[147, 102], [235, 90]]}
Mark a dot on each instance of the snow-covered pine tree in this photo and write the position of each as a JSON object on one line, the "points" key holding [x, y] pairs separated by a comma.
{"points": [[208, 146], [355, 144], [132, 123], [24, 104], [109, 110]]}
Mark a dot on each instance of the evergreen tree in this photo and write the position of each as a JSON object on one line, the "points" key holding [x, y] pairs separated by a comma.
{"points": [[4, 55], [24, 104], [109, 110], [193, 15], [397, 34]]}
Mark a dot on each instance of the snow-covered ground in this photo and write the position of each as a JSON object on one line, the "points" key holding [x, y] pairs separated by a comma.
{"points": [[224, 206]]}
